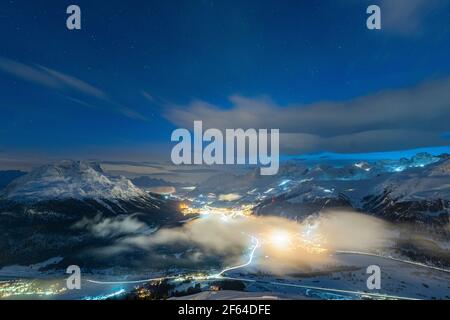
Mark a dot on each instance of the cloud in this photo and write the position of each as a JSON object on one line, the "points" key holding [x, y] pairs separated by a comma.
{"points": [[29, 73], [148, 96], [388, 120], [76, 84], [62, 82], [406, 17], [229, 197], [300, 247], [111, 227], [163, 190]]}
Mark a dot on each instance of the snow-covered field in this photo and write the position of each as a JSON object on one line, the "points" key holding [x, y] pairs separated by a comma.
{"points": [[398, 281], [346, 279]]}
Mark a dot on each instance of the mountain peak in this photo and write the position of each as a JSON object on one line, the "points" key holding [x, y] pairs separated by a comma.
{"points": [[70, 179]]}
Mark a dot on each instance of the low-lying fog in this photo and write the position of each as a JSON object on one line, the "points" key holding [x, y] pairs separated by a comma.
{"points": [[283, 245]]}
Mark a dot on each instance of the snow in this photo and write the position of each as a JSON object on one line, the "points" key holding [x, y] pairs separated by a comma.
{"points": [[70, 179], [34, 270], [349, 273], [430, 183], [233, 295]]}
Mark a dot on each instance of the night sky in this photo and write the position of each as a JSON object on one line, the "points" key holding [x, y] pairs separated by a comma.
{"points": [[107, 90]]}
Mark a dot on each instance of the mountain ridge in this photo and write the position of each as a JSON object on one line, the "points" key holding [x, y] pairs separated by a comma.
{"points": [[69, 179]]}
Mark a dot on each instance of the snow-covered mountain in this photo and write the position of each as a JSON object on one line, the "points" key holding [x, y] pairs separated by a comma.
{"points": [[417, 194], [55, 209], [415, 190], [77, 188], [296, 170], [417, 184], [70, 180]]}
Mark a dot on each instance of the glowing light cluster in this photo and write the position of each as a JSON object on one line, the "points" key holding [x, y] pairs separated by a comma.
{"points": [[308, 239], [280, 238], [11, 289], [311, 239], [205, 210], [106, 296]]}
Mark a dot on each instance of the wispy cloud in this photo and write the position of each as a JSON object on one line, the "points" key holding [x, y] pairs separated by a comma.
{"points": [[154, 100], [389, 120], [65, 83], [148, 96], [111, 227], [29, 73], [406, 17], [75, 84]]}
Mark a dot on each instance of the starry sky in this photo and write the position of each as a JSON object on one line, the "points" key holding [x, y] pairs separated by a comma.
{"points": [[116, 88]]}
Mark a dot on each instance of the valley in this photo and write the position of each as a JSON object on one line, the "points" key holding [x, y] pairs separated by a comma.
{"points": [[309, 233]]}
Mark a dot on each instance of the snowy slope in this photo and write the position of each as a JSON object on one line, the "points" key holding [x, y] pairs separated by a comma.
{"points": [[430, 183], [419, 195]]}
